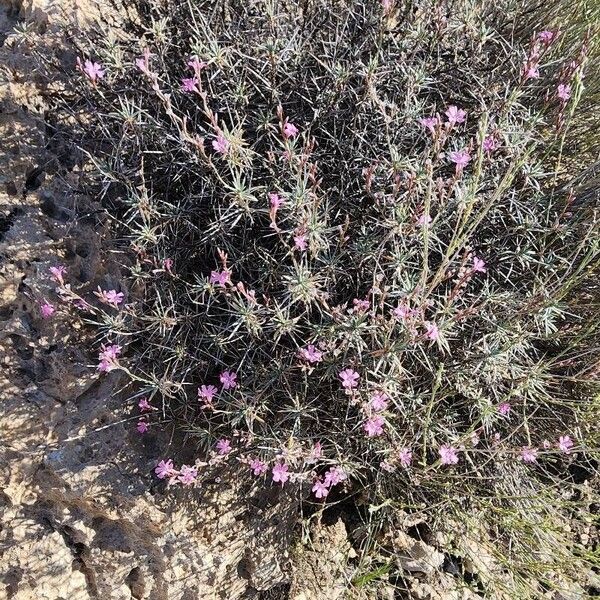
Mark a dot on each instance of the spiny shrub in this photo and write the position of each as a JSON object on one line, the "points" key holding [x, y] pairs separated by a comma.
{"points": [[365, 251]]}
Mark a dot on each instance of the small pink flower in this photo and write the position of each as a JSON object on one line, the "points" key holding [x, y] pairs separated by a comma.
{"points": [[405, 457], [258, 467], [361, 306], [448, 455], [228, 380], [197, 65], [387, 6], [319, 489], [165, 469], [475, 439], [111, 297], [143, 63], [47, 309], [460, 158], [289, 130], [220, 144], [565, 443], [207, 393], [220, 278], [349, 378], [402, 312], [188, 475], [379, 401], [189, 85], [334, 476], [168, 265], [547, 37], [311, 354], [430, 123], [424, 220], [374, 426], [58, 273], [93, 71], [455, 115], [300, 242], [432, 331], [142, 426], [280, 473], [275, 200], [224, 446], [316, 453], [563, 91], [489, 143], [528, 455], [504, 409], [478, 265], [531, 71], [145, 406]]}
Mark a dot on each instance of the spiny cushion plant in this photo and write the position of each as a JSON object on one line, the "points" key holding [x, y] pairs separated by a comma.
{"points": [[365, 250]]}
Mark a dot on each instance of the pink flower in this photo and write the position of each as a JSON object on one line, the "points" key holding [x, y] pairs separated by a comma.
{"points": [[430, 123], [565, 443], [563, 91], [93, 71], [207, 393], [142, 426], [58, 273], [228, 380], [504, 409], [221, 278], [311, 354], [432, 331], [196, 64], [145, 406], [220, 144], [402, 311], [478, 265], [289, 130], [448, 455], [531, 71], [405, 457], [547, 37], [189, 85], [280, 473], [47, 309], [379, 401], [320, 489], [107, 357], [168, 265], [275, 200], [460, 158], [528, 455], [361, 305], [188, 475], [374, 426], [143, 63], [334, 476], [455, 115], [349, 378], [224, 446], [258, 467], [489, 143], [300, 242], [165, 469], [111, 297], [424, 220]]}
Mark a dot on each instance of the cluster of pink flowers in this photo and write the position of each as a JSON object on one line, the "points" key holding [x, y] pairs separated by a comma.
{"points": [[186, 475], [531, 66], [107, 357], [311, 354], [207, 393], [333, 477]]}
